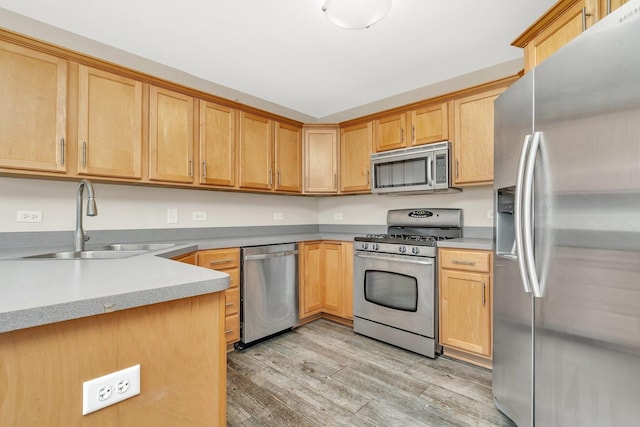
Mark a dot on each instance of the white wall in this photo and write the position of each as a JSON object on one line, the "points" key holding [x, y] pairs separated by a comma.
{"points": [[137, 207], [123, 207], [372, 209]]}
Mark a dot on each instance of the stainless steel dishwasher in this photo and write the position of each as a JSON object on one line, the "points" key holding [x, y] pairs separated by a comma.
{"points": [[269, 291]]}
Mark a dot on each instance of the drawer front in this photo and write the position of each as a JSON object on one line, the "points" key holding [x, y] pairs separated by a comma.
{"points": [[465, 260], [232, 301], [219, 259], [232, 328], [234, 277]]}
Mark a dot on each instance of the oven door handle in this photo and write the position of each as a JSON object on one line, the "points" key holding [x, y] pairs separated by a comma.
{"points": [[408, 261]]}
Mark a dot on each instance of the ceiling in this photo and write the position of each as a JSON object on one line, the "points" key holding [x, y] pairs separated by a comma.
{"points": [[286, 57]]}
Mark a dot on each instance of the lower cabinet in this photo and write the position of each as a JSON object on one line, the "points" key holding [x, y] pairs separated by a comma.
{"points": [[326, 280], [466, 304], [178, 345], [227, 260]]}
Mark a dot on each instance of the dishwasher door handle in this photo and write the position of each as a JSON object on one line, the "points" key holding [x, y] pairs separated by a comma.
{"points": [[267, 256]]}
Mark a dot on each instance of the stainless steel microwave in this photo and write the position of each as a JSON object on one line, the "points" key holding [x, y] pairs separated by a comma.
{"points": [[415, 170]]}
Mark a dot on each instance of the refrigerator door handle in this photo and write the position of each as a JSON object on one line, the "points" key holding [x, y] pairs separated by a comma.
{"points": [[518, 214], [527, 216]]}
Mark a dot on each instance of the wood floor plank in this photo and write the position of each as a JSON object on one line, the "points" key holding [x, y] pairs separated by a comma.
{"points": [[323, 374]]}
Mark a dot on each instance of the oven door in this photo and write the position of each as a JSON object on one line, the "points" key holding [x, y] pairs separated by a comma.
{"points": [[395, 290]]}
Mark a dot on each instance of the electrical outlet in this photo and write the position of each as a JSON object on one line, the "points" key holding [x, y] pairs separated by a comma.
{"points": [[29, 216], [337, 217], [112, 388], [172, 216], [278, 216], [199, 216]]}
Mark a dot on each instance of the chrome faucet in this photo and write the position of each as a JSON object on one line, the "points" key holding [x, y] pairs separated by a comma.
{"points": [[79, 237]]}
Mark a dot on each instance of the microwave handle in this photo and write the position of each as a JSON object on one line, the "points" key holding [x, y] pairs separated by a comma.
{"points": [[430, 170]]}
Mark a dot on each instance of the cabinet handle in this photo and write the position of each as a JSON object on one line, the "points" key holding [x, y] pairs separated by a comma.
{"points": [[368, 177], [584, 18], [270, 176], [204, 169], [62, 151], [278, 177], [463, 262], [484, 298], [335, 180], [413, 133], [401, 135], [228, 331], [190, 167], [457, 168], [229, 304], [220, 261], [84, 154], [608, 7]]}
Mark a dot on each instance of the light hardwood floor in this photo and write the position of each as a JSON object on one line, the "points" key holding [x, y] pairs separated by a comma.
{"points": [[322, 374]]}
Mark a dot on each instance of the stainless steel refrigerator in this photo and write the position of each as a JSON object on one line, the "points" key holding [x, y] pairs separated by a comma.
{"points": [[567, 240]]}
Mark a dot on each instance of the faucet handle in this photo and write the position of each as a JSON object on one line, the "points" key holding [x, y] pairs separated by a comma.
{"points": [[86, 237]]}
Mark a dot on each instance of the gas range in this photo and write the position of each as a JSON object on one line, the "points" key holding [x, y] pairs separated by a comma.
{"points": [[413, 232]]}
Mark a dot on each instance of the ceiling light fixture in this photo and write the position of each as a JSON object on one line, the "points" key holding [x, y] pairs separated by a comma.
{"points": [[356, 14]]}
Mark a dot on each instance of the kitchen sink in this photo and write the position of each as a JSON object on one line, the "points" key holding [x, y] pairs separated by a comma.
{"points": [[136, 246], [112, 251], [98, 254]]}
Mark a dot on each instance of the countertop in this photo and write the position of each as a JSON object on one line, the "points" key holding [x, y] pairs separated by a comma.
{"points": [[467, 243], [35, 292]]}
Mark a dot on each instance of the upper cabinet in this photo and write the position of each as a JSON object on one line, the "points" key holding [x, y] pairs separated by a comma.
{"points": [[608, 6], [417, 127], [256, 161], [562, 23], [171, 128], [288, 158], [109, 124], [390, 132], [218, 144], [473, 138], [33, 111], [355, 158], [320, 153], [429, 124]]}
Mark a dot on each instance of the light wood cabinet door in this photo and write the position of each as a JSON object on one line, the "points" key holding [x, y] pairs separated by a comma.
{"points": [[256, 148], [347, 280], [320, 160], [288, 158], [565, 21], [355, 158], [608, 6], [465, 311], [390, 132], [109, 124], [473, 139], [33, 110], [331, 259], [311, 267], [171, 128], [429, 124], [217, 145]]}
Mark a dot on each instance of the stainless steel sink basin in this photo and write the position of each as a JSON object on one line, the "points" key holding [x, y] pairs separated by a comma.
{"points": [[138, 246], [112, 251], [90, 254]]}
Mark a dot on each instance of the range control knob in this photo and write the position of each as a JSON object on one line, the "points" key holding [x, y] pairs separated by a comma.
{"points": [[365, 246], [402, 249], [375, 246], [415, 250]]}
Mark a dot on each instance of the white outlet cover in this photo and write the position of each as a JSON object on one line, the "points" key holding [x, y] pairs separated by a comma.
{"points": [[172, 216], [108, 389]]}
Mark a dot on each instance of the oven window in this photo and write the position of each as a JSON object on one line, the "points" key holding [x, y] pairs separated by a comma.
{"points": [[391, 290]]}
